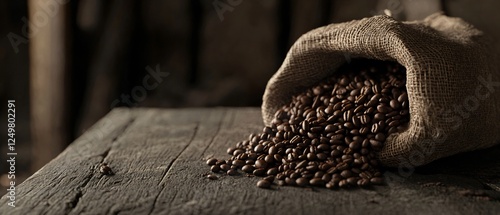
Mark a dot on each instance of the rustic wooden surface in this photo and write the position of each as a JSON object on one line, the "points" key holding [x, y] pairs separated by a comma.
{"points": [[158, 156]]}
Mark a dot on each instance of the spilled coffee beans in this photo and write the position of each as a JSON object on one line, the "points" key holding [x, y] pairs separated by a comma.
{"points": [[329, 134]]}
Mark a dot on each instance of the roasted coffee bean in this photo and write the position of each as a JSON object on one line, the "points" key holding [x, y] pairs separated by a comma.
{"points": [[211, 161], [269, 178], [229, 151], [238, 163], [215, 168], [248, 168], [329, 134], [272, 171], [212, 177], [105, 169], [232, 172], [260, 164], [346, 173], [225, 167], [352, 181], [280, 182], [316, 182], [377, 180], [259, 172], [302, 181], [263, 184]]}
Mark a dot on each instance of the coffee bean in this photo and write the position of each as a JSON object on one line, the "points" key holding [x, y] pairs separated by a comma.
{"points": [[377, 180], [259, 172], [380, 137], [317, 182], [260, 164], [248, 168], [225, 167], [302, 182], [212, 177], [272, 171], [290, 181], [269, 178], [395, 104], [382, 108], [263, 184], [352, 181], [363, 182], [215, 168], [329, 134], [211, 161], [346, 173], [238, 163], [232, 172], [105, 169]]}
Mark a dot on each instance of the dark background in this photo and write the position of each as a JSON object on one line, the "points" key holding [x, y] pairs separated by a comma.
{"points": [[216, 53]]}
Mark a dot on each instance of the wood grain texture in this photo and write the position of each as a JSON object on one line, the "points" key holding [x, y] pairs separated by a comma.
{"points": [[158, 156]]}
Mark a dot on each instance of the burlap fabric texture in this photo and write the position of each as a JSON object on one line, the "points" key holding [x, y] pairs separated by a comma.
{"points": [[452, 80]]}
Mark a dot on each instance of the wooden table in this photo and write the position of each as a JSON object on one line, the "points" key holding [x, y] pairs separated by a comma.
{"points": [[158, 157]]}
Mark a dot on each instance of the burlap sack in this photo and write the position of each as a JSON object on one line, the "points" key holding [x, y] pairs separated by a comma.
{"points": [[452, 80]]}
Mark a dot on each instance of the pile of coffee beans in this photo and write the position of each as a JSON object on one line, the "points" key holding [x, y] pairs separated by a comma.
{"points": [[328, 135]]}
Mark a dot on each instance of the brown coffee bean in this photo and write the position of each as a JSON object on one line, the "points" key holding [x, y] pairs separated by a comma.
{"points": [[105, 169], [272, 171], [248, 168], [302, 181], [260, 164], [354, 145], [328, 135], [395, 104], [321, 156], [270, 178], [263, 184], [259, 172], [232, 172], [352, 181], [225, 167], [215, 168], [380, 137], [212, 177], [382, 108], [363, 182], [346, 173], [403, 97], [316, 182], [377, 180], [211, 161]]}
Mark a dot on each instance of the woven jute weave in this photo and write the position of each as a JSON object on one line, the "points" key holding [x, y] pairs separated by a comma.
{"points": [[452, 80]]}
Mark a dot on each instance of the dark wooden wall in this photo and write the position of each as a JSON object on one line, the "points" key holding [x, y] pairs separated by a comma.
{"points": [[219, 55]]}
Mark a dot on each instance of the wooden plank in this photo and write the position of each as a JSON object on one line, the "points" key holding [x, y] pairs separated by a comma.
{"points": [[158, 159], [49, 79]]}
